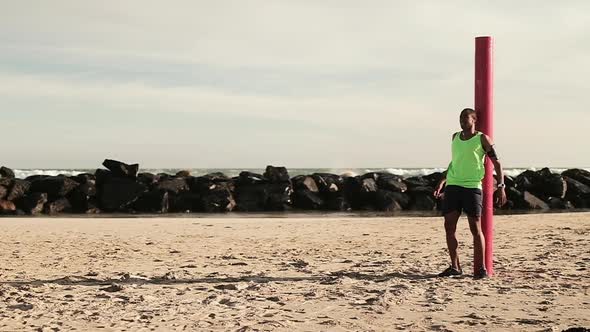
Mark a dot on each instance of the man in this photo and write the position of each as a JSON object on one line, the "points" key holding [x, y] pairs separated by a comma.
{"points": [[463, 189]]}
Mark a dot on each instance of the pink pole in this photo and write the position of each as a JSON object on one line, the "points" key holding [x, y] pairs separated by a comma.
{"points": [[484, 106]]}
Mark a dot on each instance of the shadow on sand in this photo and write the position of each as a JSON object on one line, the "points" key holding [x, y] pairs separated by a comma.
{"points": [[330, 278]]}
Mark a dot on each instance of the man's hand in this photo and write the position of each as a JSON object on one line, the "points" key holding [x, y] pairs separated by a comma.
{"points": [[438, 191], [501, 197]]}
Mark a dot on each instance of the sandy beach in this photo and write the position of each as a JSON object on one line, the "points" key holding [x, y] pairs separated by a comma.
{"points": [[289, 274]]}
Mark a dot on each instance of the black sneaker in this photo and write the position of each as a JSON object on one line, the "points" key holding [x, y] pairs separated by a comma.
{"points": [[481, 274], [450, 271]]}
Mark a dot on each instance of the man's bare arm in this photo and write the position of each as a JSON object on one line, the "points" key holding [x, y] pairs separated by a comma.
{"points": [[488, 146]]}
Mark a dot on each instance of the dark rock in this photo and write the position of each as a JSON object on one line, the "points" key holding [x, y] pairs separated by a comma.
{"points": [[147, 179], [329, 185], [33, 203], [3, 192], [82, 198], [279, 196], [527, 181], [579, 175], [434, 178], [92, 206], [216, 177], [371, 175], [203, 184], [338, 203], [186, 201], [559, 203], [199, 184], [250, 198], [249, 178], [276, 174], [55, 186], [575, 187], [172, 185], [304, 182], [32, 178], [263, 197], [581, 202], [7, 207], [424, 189], [88, 189], [386, 200], [83, 203], [6, 182], [508, 181], [18, 189], [391, 182], [218, 199], [320, 191], [103, 176], [534, 202], [6, 172], [368, 185], [163, 176], [514, 199], [577, 193], [120, 169], [119, 193], [421, 199], [422, 202], [553, 185], [84, 178], [352, 192], [542, 184], [308, 200], [272, 191], [209, 193], [58, 206], [183, 174], [417, 181], [154, 201]]}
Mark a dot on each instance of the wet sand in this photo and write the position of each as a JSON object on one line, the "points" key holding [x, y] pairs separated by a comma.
{"points": [[289, 274]]}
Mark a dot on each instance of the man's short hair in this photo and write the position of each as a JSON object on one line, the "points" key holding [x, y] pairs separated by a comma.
{"points": [[469, 111]]}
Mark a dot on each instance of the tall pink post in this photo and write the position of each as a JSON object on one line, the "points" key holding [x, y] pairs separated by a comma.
{"points": [[484, 106]]}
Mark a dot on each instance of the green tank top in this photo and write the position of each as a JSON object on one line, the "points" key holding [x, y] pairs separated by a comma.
{"points": [[467, 165]]}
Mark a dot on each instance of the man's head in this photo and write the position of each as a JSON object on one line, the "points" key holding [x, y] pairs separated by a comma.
{"points": [[468, 118]]}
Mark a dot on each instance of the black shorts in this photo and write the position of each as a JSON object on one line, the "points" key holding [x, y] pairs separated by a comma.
{"points": [[462, 199]]}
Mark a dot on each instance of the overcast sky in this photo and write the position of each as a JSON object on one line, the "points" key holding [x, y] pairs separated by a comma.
{"points": [[295, 83]]}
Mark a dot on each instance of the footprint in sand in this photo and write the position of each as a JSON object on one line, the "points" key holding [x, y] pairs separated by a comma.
{"points": [[226, 287]]}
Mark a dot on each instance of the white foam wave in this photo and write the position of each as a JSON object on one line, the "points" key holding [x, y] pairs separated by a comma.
{"points": [[23, 173], [405, 172]]}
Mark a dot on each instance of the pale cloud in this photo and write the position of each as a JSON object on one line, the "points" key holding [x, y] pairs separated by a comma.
{"points": [[375, 83], [136, 96]]}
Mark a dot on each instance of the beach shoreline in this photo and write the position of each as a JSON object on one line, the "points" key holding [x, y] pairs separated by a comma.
{"points": [[338, 273]]}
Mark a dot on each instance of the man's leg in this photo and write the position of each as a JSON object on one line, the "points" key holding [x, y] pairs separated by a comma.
{"points": [[478, 239], [451, 219]]}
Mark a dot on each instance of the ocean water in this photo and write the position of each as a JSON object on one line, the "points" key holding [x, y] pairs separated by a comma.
{"points": [[405, 172]]}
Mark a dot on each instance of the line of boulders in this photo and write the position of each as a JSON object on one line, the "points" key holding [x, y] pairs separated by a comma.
{"points": [[121, 188]]}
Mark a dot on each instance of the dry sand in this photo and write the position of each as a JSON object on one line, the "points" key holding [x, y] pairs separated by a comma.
{"points": [[293, 274]]}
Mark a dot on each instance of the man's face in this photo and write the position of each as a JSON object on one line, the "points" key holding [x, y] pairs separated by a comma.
{"points": [[467, 120]]}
